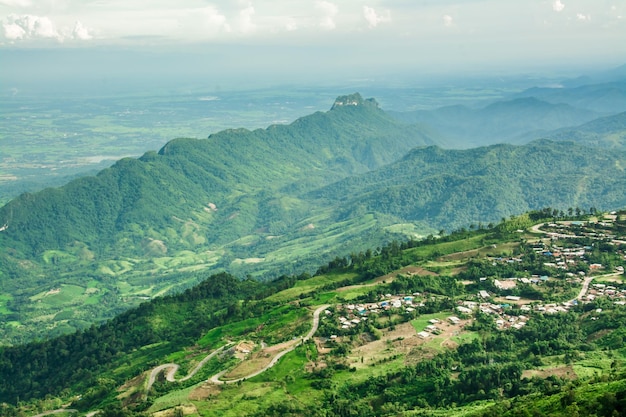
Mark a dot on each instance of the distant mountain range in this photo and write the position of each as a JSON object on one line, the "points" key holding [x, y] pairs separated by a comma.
{"points": [[515, 121], [604, 132], [288, 197], [607, 98], [532, 114]]}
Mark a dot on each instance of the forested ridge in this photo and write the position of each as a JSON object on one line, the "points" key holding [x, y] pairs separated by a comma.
{"points": [[484, 184]]}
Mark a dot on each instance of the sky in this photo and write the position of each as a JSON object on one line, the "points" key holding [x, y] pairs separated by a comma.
{"points": [[260, 42]]}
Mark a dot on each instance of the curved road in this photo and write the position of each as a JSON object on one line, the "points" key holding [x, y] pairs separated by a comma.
{"points": [[316, 321], [173, 367]]}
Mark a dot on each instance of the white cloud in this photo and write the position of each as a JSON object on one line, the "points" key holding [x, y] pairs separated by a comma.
{"points": [[245, 23], [213, 20], [13, 31], [373, 18], [291, 25], [581, 16], [30, 27], [81, 32], [447, 20], [329, 11], [40, 27], [557, 6]]}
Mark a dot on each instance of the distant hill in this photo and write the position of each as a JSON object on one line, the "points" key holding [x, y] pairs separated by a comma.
{"points": [[218, 181], [605, 132], [607, 98], [515, 121], [456, 188]]}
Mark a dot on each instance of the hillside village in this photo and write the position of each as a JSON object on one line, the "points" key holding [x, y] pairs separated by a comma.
{"points": [[560, 251]]}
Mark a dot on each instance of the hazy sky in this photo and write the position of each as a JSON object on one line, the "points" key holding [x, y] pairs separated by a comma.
{"points": [[290, 40]]}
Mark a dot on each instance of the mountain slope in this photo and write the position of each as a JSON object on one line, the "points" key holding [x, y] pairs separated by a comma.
{"points": [[295, 347], [264, 203], [187, 174], [455, 188], [605, 132], [150, 225]]}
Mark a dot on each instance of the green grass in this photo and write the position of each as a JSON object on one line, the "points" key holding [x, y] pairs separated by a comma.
{"points": [[172, 399], [68, 295], [275, 324], [303, 287], [285, 381], [58, 257], [466, 337], [325, 298], [594, 363], [464, 411], [354, 293]]}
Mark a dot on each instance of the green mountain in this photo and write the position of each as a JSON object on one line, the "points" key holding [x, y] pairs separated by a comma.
{"points": [[150, 225], [187, 178], [515, 121], [605, 132], [267, 202], [457, 188]]}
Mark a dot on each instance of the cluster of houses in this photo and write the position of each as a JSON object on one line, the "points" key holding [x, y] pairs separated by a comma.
{"points": [[433, 327], [557, 256], [351, 315], [602, 290]]}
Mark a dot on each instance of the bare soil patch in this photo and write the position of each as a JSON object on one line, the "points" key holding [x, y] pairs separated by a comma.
{"points": [[521, 301], [204, 391], [460, 255], [560, 371], [393, 342], [258, 360], [243, 349], [320, 344], [404, 340], [615, 278], [136, 382], [187, 409]]}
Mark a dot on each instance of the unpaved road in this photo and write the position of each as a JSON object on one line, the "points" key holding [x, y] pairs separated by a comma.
{"points": [[173, 368], [316, 321]]}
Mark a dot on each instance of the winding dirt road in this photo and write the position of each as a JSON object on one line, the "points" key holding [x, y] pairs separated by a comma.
{"points": [[316, 321], [173, 368]]}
